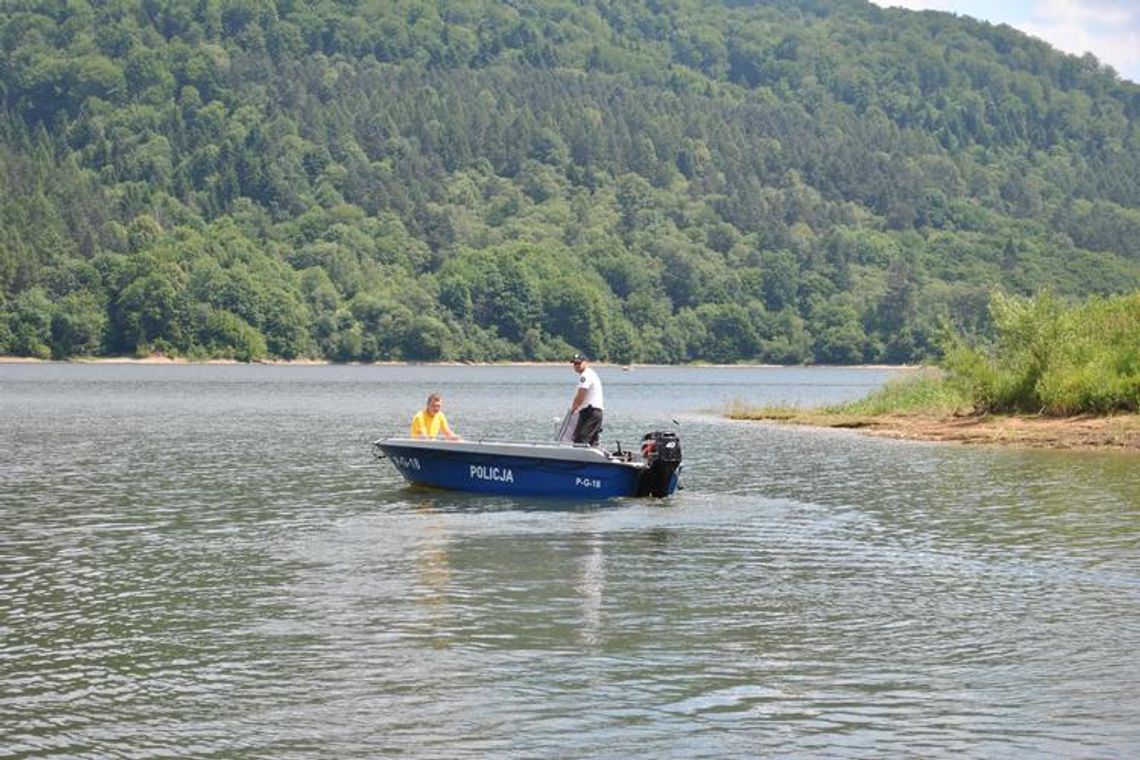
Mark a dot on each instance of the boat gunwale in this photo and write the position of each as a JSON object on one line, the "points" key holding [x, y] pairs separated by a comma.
{"points": [[535, 450]]}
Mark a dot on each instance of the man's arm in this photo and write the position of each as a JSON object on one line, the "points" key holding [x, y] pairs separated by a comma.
{"points": [[446, 430]]}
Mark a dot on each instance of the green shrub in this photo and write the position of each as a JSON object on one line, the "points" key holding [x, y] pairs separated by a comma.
{"points": [[1049, 358]]}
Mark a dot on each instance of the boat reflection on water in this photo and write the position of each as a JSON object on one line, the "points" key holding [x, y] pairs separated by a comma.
{"points": [[434, 575], [590, 586], [458, 577]]}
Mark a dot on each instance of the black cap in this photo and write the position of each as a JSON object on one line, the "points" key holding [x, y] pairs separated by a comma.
{"points": [[578, 358]]}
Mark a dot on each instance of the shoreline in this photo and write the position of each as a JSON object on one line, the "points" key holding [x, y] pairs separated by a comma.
{"points": [[175, 360], [1119, 432]]}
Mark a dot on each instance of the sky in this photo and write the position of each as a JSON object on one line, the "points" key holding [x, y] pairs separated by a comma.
{"points": [[1109, 29]]}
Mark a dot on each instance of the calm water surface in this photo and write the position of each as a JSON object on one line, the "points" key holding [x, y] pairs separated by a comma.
{"points": [[204, 561]]}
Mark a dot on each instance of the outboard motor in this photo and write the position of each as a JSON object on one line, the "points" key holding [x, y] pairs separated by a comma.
{"points": [[662, 452]]}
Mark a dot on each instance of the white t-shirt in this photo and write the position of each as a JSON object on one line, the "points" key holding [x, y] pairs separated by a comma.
{"points": [[589, 380]]}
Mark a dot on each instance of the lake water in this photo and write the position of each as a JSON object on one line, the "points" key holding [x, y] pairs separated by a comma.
{"points": [[205, 561]]}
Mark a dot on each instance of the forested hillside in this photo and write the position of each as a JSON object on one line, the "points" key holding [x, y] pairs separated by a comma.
{"points": [[644, 180]]}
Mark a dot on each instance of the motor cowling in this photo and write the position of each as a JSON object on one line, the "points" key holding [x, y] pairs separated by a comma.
{"points": [[661, 450]]}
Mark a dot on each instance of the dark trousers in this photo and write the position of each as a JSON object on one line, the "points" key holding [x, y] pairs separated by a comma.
{"points": [[589, 425]]}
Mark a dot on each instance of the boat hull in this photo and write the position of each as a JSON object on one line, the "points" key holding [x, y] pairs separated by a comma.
{"points": [[514, 469]]}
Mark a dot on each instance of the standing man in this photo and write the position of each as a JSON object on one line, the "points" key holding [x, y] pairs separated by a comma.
{"points": [[587, 402]]}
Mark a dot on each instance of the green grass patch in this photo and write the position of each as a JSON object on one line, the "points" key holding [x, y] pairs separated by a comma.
{"points": [[927, 391]]}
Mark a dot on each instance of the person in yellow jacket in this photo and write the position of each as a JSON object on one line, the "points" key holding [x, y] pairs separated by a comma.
{"points": [[430, 421]]}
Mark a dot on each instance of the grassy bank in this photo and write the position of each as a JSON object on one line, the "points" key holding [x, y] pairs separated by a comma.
{"points": [[924, 407], [922, 392], [1051, 375]]}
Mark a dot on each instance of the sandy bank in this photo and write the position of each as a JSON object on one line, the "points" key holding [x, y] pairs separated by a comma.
{"points": [[1117, 432]]}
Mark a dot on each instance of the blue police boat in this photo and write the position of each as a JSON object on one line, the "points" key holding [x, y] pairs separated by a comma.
{"points": [[538, 469]]}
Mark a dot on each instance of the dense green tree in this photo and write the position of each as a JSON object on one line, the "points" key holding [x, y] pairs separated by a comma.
{"points": [[224, 333], [841, 338], [78, 325], [29, 324], [728, 335]]}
